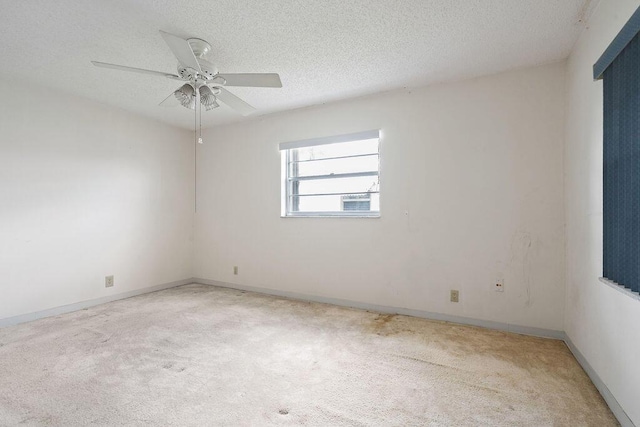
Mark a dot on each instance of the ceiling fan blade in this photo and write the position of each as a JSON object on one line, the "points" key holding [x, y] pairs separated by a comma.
{"points": [[182, 50], [252, 79], [170, 101], [134, 70], [234, 102]]}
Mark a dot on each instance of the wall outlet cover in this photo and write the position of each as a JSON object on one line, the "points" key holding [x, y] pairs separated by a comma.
{"points": [[455, 296], [108, 281]]}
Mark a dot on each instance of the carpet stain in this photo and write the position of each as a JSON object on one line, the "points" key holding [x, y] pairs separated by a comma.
{"points": [[382, 325], [283, 412], [383, 319]]}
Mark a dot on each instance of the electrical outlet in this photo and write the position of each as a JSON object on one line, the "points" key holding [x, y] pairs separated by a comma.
{"points": [[108, 281], [235, 270], [455, 296], [499, 285]]}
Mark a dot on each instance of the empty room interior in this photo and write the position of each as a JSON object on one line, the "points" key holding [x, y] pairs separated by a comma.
{"points": [[322, 213]]}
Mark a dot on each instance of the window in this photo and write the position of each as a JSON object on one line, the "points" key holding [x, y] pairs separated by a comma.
{"points": [[619, 68], [332, 176]]}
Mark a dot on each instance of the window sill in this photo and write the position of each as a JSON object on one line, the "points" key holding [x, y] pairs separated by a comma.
{"points": [[620, 288]]}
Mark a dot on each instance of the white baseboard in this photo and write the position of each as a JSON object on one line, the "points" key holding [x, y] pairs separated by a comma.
{"points": [[606, 394], [525, 330], [9, 321]]}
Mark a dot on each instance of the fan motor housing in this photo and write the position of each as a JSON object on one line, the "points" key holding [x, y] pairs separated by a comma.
{"points": [[208, 70]]}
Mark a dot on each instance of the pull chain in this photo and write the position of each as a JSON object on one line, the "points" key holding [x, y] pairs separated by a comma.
{"points": [[195, 153]]}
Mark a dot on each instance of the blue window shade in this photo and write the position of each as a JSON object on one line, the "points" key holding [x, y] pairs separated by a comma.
{"points": [[628, 32], [621, 204]]}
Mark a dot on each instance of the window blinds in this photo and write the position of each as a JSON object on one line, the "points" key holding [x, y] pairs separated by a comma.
{"points": [[621, 167]]}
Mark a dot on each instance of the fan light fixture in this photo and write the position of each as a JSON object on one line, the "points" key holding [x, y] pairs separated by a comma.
{"points": [[186, 96], [207, 98]]}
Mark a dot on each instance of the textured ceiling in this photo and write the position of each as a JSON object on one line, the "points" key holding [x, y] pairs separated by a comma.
{"points": [[324, 50]]}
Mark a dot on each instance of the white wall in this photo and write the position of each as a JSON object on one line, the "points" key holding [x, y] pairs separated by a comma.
{"points": [[603, 323], [478, 166], [87, 191]]}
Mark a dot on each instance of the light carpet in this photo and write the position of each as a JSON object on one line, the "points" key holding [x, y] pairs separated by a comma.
{"points": [[200, 355]]}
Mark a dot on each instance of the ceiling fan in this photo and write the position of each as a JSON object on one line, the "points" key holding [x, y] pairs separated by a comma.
{"points": [[204, 85]]}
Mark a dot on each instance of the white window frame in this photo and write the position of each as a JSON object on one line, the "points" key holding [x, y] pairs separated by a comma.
{"points": [[288, 182]]}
